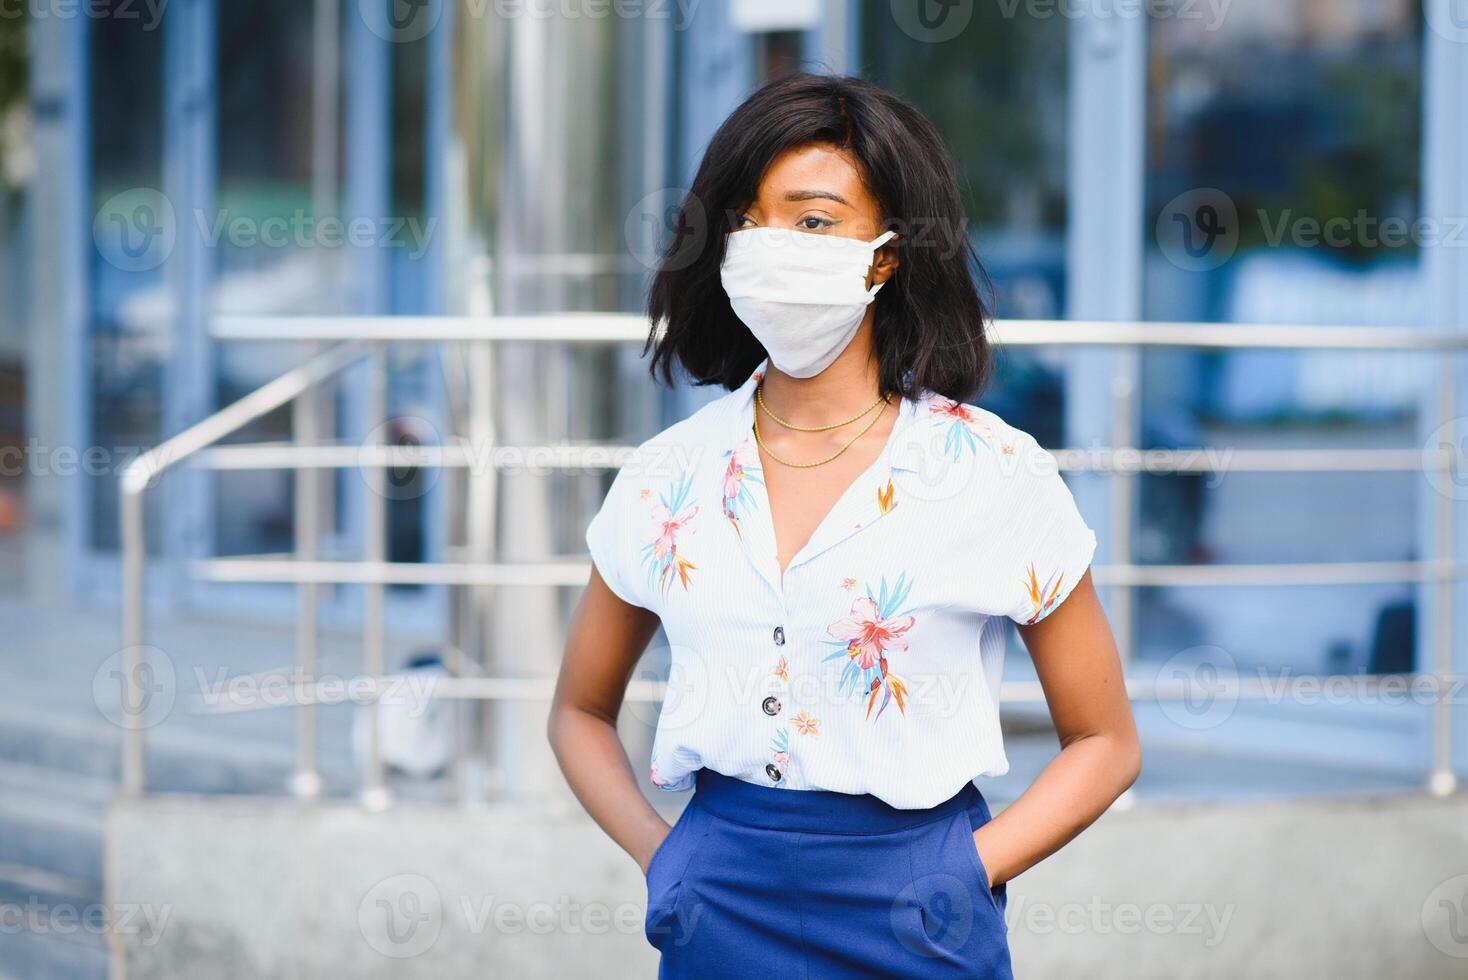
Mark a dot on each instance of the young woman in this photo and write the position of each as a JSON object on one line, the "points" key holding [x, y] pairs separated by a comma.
{"points": [[832, 549]]}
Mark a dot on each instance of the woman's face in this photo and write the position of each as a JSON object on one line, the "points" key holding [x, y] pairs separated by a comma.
{"points": [[817, 189]]}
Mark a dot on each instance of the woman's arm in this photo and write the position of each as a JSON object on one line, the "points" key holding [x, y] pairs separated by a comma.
{"points": [[606, 639], [1080, 672]]}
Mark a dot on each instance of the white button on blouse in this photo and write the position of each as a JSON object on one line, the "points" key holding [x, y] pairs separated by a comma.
{"points": [[874, 666]]}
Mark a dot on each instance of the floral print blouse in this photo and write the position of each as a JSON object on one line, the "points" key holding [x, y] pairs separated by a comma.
{"points": [[873, 664]]}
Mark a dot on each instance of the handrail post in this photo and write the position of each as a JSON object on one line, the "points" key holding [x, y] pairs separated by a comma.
{"points": [[1122, 499], [306, 782], [1443, 781], [134, 556], [375, 794]]}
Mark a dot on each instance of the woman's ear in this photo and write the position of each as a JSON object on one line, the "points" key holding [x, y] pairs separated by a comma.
{"points": [[885, 262]]}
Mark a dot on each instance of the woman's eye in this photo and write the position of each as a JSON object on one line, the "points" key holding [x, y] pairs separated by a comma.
{"points": [[811, 223], [743, 221]]}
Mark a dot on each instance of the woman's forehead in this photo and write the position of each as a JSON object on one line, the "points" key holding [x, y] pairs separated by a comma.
{"points": [[811, 171]]}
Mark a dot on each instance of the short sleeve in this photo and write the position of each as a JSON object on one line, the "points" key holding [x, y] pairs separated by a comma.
{"points": [[1045, 546], [610, 539]]}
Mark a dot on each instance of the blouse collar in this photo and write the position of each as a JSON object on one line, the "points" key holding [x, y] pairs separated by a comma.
{"points": [[869, 498]]}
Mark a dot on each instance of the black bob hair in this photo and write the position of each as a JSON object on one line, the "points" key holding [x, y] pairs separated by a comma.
{"points": [[929, 332]]}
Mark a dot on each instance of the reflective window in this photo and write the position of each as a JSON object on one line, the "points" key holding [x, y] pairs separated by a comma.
{"points": [[130, 331], [995, 86], [1283, 159]]}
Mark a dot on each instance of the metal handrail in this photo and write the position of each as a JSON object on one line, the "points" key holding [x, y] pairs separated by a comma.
{"points": [[143, 471], [357, 336], [612, 328]]}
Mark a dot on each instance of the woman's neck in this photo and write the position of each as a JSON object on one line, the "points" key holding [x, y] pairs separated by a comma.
{"points": [[840, 391]]}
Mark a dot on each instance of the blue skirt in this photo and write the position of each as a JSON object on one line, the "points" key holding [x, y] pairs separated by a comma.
{"points": [[755, 881]]}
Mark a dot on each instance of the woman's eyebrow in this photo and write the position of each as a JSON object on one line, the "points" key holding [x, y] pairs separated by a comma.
{"points": [[812, 195]]}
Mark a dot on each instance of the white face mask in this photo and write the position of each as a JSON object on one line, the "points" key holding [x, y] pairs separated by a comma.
{"points": [[801, 295]]}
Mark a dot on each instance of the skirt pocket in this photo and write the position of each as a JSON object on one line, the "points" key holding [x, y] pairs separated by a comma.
{"points": [[665, 872]]}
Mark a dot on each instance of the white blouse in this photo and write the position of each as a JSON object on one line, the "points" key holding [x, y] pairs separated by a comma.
{"points": [[874, 665]]}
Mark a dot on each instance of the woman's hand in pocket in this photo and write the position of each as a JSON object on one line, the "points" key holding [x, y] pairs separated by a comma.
{"points": [[651, 841], [988, 856]]}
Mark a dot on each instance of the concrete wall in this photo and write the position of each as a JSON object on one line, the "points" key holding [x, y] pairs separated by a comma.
{"points": [[254, 888]]}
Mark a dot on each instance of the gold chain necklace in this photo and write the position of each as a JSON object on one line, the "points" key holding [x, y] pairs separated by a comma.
{"points": [[820, 462], [759, 396]]}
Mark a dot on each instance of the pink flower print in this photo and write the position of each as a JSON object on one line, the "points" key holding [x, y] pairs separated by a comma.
{"points": [[780, 750], [806, 725], [671, 519], [867, 638], [966, 430], [848, 584], [782, 670], [868, 635], [742, 471]]}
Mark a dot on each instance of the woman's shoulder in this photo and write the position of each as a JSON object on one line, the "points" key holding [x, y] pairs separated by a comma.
{"points": [[986, 428]]}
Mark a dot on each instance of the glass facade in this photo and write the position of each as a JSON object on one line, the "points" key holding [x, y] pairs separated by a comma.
{"points": [[1283, 186]]}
